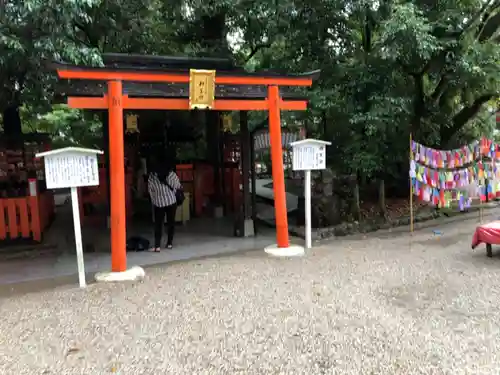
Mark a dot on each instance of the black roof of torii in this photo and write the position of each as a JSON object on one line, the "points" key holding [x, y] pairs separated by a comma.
{"points": [[117, 61]]}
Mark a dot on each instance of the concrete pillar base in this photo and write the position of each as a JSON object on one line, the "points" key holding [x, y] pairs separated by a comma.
{"points": [[291, 251], [132, 274], [218, 212], [248, 228]]}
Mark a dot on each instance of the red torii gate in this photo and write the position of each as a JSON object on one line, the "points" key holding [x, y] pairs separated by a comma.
{"points": [[115, 101]]}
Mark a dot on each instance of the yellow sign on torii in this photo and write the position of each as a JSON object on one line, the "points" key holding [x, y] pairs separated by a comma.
{"points": [[201, 89]]}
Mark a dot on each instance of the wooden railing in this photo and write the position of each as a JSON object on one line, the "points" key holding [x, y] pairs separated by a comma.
{"points": [[26, 217]]}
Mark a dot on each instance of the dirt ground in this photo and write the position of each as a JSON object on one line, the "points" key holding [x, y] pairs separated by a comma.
{"points": [[375, 304]]}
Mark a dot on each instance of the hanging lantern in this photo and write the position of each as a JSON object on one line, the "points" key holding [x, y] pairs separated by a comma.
{"points": [[227, 122], [131, 121]]}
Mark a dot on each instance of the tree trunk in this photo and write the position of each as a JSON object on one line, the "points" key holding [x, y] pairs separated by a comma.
{"points": [[462, 118], [418, 103], [381, 199], [12, 121], [325, 125], [213, 32], [356, 204]]}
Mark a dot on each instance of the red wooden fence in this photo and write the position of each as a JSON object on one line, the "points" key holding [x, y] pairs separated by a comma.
{"points": [[25, 217]]}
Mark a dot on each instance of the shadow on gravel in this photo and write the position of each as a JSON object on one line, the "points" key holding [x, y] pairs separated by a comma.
{"points": [[443, 241], [36, 286], [478, 257]]}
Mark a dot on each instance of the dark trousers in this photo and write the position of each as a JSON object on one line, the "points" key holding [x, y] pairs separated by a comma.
{"points": [[159, 216]]}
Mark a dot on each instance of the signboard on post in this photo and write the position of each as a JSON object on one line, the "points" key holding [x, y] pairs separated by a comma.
{"points": [[72, 167], [308, 155]]}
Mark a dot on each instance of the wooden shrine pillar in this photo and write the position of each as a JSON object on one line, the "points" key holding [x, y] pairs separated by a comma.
{"points": [[280, 211], [117, 177], [215, 156], [248, 223], [253, 177]]}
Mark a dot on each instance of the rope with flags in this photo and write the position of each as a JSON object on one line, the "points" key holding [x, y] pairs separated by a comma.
{"points": [[442, 176]]}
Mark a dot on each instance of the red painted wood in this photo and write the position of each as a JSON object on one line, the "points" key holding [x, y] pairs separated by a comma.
{"points": [[12, 225], [34, 208], [22, 205], [3, 227]]}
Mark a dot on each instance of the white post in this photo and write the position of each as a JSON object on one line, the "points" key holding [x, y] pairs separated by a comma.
{"points": [[307, 199], [78, 237]]}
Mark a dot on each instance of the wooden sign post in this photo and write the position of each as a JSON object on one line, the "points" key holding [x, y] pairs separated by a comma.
{"points": [[72, 167], [308, 155]]}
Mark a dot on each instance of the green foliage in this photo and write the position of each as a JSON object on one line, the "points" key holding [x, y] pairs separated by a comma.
{"points": [[450, 54], [33, 32], [66, 126]]}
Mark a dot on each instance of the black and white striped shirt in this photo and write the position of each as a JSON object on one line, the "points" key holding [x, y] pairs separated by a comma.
{"points": [[163, 195]]}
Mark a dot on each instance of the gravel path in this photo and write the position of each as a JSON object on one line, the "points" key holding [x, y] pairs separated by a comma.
{"points": [[355, 306]]}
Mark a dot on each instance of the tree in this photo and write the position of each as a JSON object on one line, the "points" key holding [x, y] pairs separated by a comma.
{"points": [[392, 67], [31, 33], [130, 26], [449, 53]]}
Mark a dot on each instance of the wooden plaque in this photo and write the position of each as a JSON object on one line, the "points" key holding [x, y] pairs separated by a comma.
{"points": [[201, 89]]}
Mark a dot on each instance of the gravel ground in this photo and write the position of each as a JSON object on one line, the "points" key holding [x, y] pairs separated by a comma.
{"points": [[354, 306]]}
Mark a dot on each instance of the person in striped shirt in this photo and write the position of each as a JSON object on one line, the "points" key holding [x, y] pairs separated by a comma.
{"points": [[163, 183]]}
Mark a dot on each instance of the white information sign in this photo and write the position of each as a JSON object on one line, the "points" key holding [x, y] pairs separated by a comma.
{"points": [[72, 167], [308, 155]]}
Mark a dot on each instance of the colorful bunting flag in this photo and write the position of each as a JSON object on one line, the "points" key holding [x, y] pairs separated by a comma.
{"points": [[446, 159], [440, 176]]}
